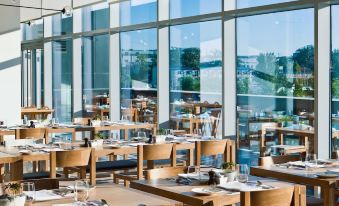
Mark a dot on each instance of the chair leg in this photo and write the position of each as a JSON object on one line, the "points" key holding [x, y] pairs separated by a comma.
{"points": [[83, 173], [66, 172], [126, 183]]}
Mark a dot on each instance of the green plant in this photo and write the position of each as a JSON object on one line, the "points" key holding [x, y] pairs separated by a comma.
{"points": [[101, 135], [227, 166], [161, 131], [285, 118], [13, 189]]}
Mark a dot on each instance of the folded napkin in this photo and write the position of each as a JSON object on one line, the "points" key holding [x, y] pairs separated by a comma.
{"points": [[238, 186], [45, 195], [304, 164]]}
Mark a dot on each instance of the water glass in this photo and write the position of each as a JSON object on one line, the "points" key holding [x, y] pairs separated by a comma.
{"points": [[81, 191], [142, 135], [194, 172], [28, 188], [242, 173], [311, 161]]}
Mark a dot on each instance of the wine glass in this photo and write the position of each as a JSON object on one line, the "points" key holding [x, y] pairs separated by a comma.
{"points": [[81, 190], [142, 135], [28, 188], [242, 173], [310, 161]]}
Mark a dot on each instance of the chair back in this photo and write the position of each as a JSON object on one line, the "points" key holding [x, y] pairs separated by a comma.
{"points": [[30, 133], [289, 196], [154, 152], [72, 158], [215, 147], [272, 160], [167, 172]]}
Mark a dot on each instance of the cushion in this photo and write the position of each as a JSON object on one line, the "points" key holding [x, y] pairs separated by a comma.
{"points": [[36, 175], [115, 165]]}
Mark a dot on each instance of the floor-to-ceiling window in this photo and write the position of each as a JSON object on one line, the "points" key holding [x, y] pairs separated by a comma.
{"points": [[95, 76], [196, 77], [137, 12], [138, 75], [275, 75], [250, 3], [185, 8], [62, 77], [335, 78]]}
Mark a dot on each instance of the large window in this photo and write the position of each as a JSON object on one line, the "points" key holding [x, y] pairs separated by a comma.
{"points": [[184, 8], [196, 77], [32, 30], [95, 17], [335, 78], [275, 75], [138, 12], [138, 79], [250, 3], [95, 75], [62, 25], [62, 79]]}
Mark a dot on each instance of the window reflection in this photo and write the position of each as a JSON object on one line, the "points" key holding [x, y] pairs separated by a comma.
{"points": [[138, 79], [138, 12], [275, 81], [95, 76], [196, 78], [185, 8]]}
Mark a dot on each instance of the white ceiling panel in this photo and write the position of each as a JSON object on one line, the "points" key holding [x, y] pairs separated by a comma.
{"points": [[54, 4], [28, 14], [81, 3]]}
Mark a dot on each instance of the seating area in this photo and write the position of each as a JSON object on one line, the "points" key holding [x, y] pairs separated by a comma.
{"points": [[169, 102]]}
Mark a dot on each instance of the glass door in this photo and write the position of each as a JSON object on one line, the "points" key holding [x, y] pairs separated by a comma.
{"points": [[32, 77]]}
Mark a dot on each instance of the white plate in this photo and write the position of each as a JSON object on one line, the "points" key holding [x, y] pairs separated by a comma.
{"points": [[206, 191]]}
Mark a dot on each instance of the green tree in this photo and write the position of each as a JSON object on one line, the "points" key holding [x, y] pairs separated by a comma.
{"points": [[191, 58]]}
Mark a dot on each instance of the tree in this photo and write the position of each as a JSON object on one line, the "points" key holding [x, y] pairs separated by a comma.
{"points": [[304, 57], [191, 58]]}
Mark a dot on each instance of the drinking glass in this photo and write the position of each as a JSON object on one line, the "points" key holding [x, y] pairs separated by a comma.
{"points": [[142, 135], [194, 171], [81, 189], [337, 153], [28, 188], [242, 173], [310, 161]]}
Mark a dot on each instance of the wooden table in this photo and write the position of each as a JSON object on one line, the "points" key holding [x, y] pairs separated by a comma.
{"points": [[104, 151], [4, 132], [116, 195], [306, 136], [303, 177], [182, 193], [33, 112]]}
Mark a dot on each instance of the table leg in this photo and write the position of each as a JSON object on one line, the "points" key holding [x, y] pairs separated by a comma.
{"points": [[16, 170], [52, 163], [126, 134], [190, 156], [328, 195], [280, 138], [93, 168]]}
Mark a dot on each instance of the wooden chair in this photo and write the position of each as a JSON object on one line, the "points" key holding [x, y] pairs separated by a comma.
{"points": [[30, 133], [15, 170], [161, 173], [149, 153], [82, 121], [290, 196], [263, 133], [272, 160], [215, 147], [72, 160], [129, 114]]}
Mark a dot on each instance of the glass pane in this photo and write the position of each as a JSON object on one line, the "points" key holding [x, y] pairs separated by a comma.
{"points": [[335, 78], [138, 78], [62, 25], [250, 3], [196, 77], [138, 12], [33, 31], [184, 8], [275, 78], [95, 76], [62, 79], [95, 17]]}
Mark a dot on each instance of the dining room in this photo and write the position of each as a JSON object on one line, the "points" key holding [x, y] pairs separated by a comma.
{"points": [[169, 102]]}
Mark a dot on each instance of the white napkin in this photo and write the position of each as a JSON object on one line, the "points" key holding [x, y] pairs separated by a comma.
{"points": [[45, 195]]}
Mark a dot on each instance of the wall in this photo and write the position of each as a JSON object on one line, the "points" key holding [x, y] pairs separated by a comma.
{"points": [[10, 63]]}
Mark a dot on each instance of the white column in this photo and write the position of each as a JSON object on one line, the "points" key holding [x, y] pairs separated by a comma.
{"points": [[48, 62], [322, 64], [229, 73], [114, 77], [77, 78], [163, 77], [163, 10]]}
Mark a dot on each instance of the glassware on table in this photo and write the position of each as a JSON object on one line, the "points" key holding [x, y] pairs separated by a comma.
{"points": [[311, 161], [28, 189], [81, 192], [242, 173], [337, 154], [142, 135], [194, 172]]}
